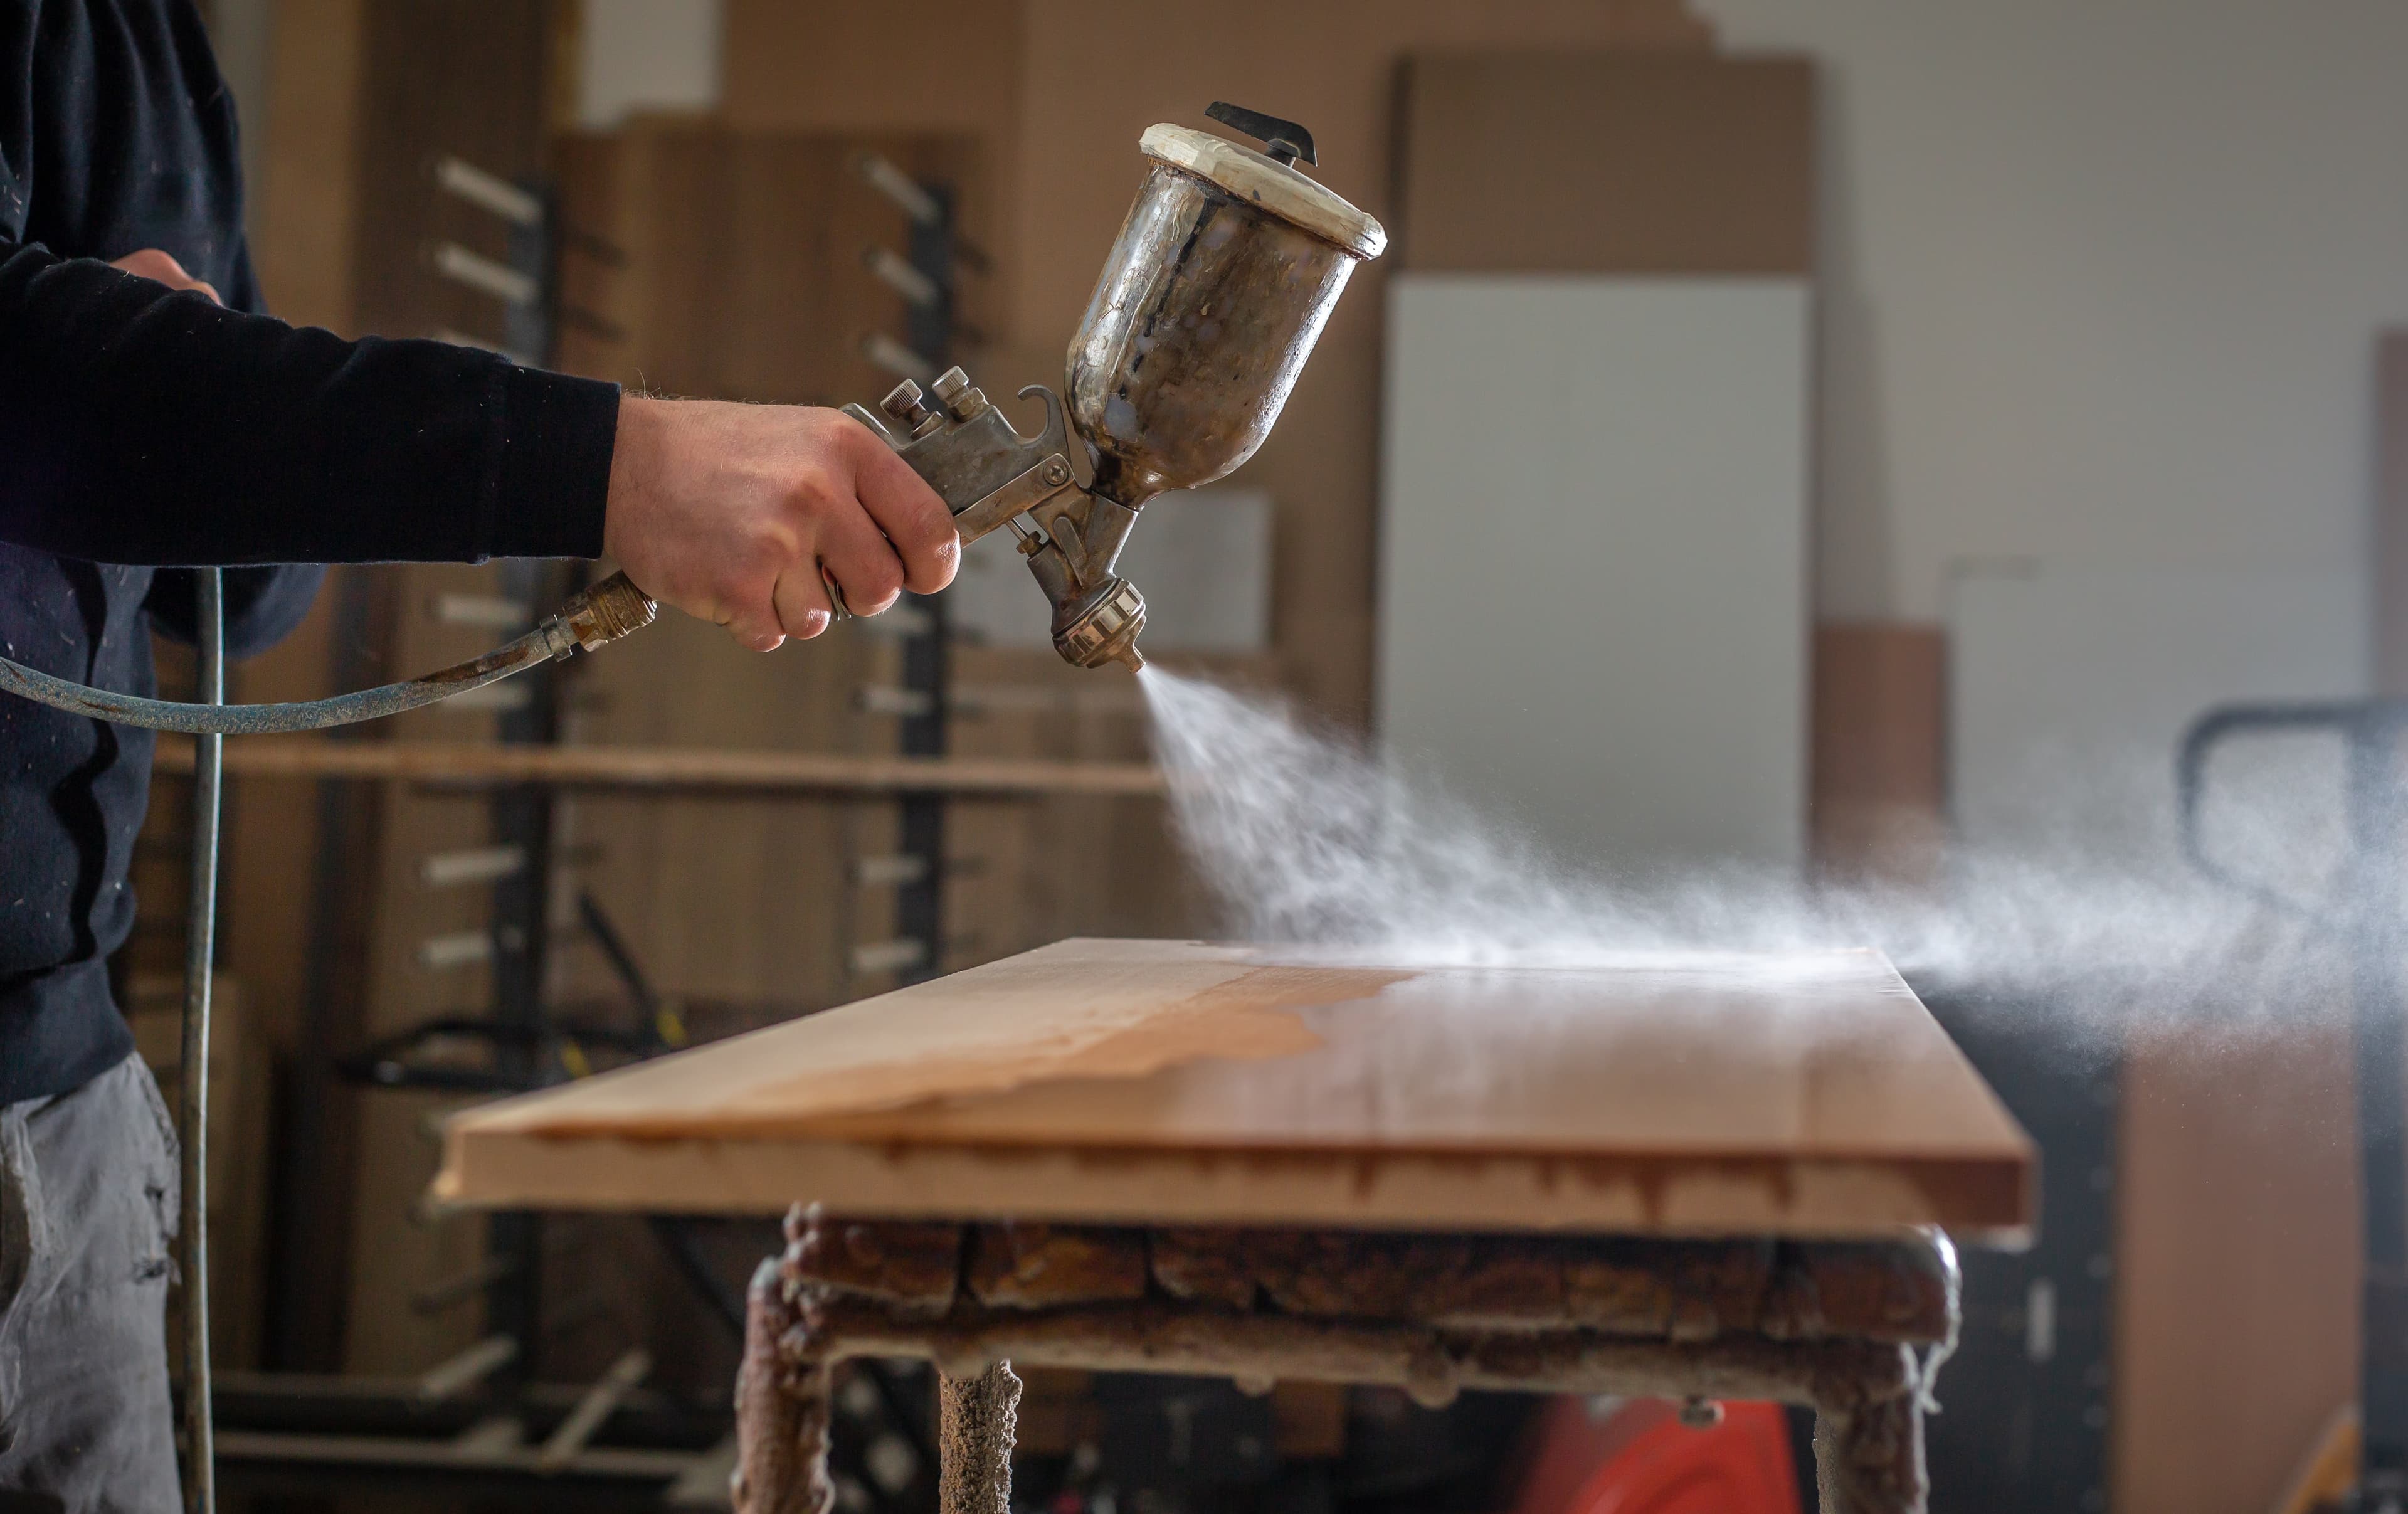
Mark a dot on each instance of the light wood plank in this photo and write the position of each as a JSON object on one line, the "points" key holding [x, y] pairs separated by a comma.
{"points": [[1880, 751], [1802, 1092]]}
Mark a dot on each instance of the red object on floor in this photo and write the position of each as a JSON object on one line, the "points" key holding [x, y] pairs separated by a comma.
{"points": [[1642, 1460]]}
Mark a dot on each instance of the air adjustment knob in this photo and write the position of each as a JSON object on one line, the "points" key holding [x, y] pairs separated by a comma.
{"points": [[905, 403], [963, 401]]}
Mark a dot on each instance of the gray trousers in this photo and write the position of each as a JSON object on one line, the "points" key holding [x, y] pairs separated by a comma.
{"points": [[87, 1207]]}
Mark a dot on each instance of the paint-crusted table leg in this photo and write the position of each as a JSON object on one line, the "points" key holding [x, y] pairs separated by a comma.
{"points": [[1837, 1325], [976, 1420], [781, 1409], [1868, 1442]]}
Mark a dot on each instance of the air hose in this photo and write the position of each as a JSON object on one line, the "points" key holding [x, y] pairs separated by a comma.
{"points": [[192, 1073], [600, 615]]}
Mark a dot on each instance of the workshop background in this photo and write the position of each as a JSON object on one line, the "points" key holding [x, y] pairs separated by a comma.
{"points": [[1983, 391]]}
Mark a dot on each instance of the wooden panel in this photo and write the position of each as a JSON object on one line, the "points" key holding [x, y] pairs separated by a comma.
{"points": [[2238, 1259], [310, 191], [462, 77], [392, 1252], [1606, 163], [365, 97], [745, 276], [1880, 751], [961, 76], [1124, 1079]]}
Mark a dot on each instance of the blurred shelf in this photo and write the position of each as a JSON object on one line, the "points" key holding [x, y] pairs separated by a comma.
{"points": [[477, 764]]}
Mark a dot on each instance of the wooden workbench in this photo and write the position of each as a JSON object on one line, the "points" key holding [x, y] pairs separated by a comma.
{"points": [[1793, 1129]]}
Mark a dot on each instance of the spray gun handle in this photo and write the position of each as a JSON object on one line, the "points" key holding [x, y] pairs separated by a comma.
{"points": [[984, 470]]}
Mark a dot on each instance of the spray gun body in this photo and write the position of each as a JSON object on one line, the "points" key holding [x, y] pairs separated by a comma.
{"points": [[1215, 292], [991, 476]]}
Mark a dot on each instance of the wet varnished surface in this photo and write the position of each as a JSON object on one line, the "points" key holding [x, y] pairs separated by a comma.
{"points": [[1117, 1079]]}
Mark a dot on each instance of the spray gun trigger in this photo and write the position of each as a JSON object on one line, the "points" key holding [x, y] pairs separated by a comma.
{"points": [[1041, 485], [1065, 533]]}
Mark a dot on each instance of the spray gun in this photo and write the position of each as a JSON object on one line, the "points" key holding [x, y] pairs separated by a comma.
{"points": [[1228, 265], [1213, 295]]}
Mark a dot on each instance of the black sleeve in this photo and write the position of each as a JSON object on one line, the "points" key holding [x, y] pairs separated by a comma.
{"points": [[142, 425], [261, 605]]}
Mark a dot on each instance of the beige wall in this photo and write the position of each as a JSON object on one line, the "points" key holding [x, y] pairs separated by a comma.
{"points": [[2100, 282]]}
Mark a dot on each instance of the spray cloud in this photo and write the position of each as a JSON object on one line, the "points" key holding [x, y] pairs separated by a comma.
{"points": [[1304, 837]]}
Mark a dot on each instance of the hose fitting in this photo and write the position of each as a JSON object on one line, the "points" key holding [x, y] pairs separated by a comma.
{"points": [[604, 613]]}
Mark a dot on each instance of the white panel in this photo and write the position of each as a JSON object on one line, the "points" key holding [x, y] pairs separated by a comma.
{"points": [[647, 55], [1592, 580], [1201, 557], [2071, 687]]}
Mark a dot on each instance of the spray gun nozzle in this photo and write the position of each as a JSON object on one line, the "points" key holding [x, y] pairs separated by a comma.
{"points": [[1092, 625]]}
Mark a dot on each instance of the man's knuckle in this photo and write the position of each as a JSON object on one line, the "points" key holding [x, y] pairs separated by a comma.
{"points": [[740, 591], [768, 546]]}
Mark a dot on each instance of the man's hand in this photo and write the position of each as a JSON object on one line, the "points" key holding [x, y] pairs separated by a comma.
{"points": [[731, 511], [153, 264]]}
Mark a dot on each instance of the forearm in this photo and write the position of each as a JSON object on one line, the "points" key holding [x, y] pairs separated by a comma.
{"points": [[139, 425]]}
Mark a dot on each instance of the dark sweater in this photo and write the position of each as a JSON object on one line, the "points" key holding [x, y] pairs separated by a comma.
{"points": [[143, 431]]}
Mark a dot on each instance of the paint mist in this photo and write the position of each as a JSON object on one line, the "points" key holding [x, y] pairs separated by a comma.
{"points": [[1305, 837]]}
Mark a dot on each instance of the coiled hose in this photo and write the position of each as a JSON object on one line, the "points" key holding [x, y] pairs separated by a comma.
{"points": [[600, 615]]}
